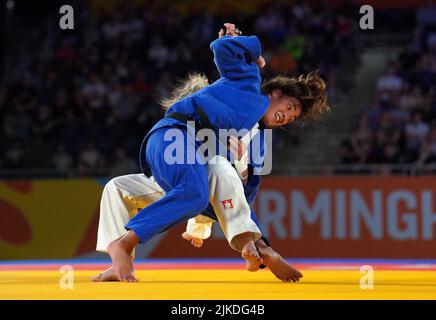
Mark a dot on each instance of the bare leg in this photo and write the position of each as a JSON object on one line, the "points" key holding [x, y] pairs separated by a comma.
{"points": [[278, 266], [121, 199], [251, 264], [120, 251], [249, 251]]}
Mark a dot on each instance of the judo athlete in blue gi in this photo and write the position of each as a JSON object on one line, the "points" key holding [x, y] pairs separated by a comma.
{"points": [[230, 201], [235, 101]]}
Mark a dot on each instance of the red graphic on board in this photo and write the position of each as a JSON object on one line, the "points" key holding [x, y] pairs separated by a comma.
{"points": [[14, 227]]}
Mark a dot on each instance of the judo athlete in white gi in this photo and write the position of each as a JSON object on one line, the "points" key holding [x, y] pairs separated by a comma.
{"points": [[124, 196]]}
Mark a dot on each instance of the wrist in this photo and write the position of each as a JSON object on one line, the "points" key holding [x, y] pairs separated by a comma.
{"points": [[241, 167]]}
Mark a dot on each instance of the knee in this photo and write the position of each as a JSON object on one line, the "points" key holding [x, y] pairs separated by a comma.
{"points": [[113, 184]]}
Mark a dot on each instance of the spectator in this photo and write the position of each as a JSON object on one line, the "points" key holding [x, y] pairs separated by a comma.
{"points": [[101, 82], [94, 92], [390, 154], [62, 161], [347, 153], [410, 98], [390, 81], [416, 130], [126, 107], [282, 62], [90, 157], [122, 164], [428, 150]]}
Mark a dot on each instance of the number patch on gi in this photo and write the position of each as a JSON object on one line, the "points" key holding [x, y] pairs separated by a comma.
{"points": [[227, 204]]}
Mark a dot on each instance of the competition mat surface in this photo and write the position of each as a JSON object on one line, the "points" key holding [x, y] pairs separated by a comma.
{"points": [[221, 279]]}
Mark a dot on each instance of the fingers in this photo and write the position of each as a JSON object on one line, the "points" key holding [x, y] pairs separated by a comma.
{"points": [[231, 30], [236, 147], [230, 27], [234, 144], [261, 62], [233, 149]]}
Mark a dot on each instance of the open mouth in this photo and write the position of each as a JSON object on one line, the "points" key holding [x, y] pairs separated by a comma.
{"points": [[279, 117]]}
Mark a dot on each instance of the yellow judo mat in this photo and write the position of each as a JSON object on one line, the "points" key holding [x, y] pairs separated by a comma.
{"points": [[228, 283]]}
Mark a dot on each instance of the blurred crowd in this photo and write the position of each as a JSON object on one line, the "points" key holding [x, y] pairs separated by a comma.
{"points": [[400, 127], [79, 102]]}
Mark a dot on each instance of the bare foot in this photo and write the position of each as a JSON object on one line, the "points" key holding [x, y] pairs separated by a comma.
{"points": [[121, 261], [196, 242], [252, 266], [250, 254], [278, 266], [107, 275]]}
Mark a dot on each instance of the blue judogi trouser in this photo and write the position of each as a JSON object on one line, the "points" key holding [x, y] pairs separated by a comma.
{"points": [[186, 187]]}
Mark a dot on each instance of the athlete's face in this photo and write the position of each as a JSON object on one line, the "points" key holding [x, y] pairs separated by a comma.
{"points": [[282, 109]]}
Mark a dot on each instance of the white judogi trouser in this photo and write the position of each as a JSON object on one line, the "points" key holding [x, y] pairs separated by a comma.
{"points": [[124, 196]]}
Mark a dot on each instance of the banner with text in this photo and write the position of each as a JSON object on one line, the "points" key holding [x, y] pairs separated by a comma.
{"points": [[319, 217]]}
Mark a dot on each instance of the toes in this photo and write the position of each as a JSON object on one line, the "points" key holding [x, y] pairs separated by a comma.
{"points": [[196, 244], [129, 279]]}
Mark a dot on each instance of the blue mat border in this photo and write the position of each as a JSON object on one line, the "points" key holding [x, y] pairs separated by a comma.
{"points": [[224, 261]]}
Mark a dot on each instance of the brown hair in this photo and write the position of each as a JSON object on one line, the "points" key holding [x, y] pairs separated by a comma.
{"points": [[310, 89]]}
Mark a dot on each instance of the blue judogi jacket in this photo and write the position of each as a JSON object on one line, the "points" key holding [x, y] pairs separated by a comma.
{"points": [[232, 102]]}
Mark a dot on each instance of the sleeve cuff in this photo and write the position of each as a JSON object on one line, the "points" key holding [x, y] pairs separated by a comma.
{"points": [[199, 230]]}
